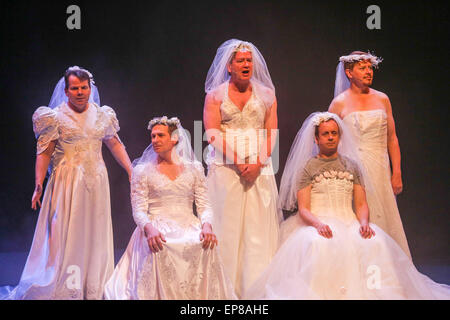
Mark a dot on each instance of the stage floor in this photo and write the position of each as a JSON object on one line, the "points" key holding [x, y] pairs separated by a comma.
{"points": [[12, 263]]}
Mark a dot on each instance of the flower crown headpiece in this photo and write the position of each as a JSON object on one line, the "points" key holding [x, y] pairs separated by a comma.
{"points": [[359, 57], [322, 117], [243, 46], [164, 121], [77, 68]]}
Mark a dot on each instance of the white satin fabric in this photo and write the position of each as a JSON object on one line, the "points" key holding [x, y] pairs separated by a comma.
{"points": [[72, 256], [245, 215], [183, 269], [347, 266], [369, 129]]}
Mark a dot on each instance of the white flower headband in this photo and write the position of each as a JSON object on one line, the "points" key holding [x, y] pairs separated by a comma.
{"points": [[322, 117], [77, 68], [164, 121], [242, 47], [359, 57]]}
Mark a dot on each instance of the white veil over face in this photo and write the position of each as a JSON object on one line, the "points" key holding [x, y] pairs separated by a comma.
{"points": [[304, 148], [182, 153], [218, 74], [59, 95], [342, 83]]}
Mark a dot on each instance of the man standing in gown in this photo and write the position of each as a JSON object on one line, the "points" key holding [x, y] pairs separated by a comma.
{"points": [[240, 116], [72, 256], [368, 114]]}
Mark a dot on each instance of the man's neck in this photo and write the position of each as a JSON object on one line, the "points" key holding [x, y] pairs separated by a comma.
{"points": [[76, 109], [359, 89], [165, 158], [332, 155], [240, 86]]}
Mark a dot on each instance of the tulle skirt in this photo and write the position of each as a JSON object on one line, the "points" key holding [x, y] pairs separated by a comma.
{"points": [[347, 266]]}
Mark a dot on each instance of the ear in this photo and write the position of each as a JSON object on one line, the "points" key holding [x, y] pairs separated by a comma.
{"points": [[229, 68], [174, 139], [315, 140], [65, 91], [348, 73]]}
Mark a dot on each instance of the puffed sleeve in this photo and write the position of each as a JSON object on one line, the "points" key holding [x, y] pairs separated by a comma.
{"points": [[204, 210], [45, 127], [112, 126], [139, 196]]}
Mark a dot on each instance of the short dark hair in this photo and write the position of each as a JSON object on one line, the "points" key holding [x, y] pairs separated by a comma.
{"points": [[349, 65], [80, 74], [316, 129]]}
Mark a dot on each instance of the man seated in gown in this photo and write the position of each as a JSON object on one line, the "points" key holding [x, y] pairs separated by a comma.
{"points": [[171, 254], [331, 251]]}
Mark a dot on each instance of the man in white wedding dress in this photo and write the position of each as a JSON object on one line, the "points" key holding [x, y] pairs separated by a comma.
{"points": [[368, 114], [332, 249], [72, 255], [240, 116], [171, 254]]}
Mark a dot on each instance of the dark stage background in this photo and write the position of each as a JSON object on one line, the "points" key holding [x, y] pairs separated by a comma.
{"points": [[151, 59]]}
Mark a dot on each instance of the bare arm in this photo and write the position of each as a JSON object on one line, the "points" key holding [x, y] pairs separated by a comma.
{"points": [[42, 163], [393, 149], [271, 126], [304, 207], [120, 154], [362, 211], [336, 106], [212, 119]]}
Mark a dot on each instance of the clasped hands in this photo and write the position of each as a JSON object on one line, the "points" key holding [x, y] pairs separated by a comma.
{"points": [[249, 172], [155, 238]]}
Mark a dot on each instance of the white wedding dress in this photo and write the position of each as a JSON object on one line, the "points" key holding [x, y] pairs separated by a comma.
{"points": [[71, 256], [347, 266], [369, 128], [183, 269], [245, 215]]}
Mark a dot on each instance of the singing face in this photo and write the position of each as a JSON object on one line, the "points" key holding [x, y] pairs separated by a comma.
{"points": [[78, 93], [327, 137], [241, 67], [362, 73], [161, 139]]}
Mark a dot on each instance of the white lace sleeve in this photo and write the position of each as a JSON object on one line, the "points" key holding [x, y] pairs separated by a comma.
{"points": [[113, 124], [204, 210], [139, 196], [45, 127]]}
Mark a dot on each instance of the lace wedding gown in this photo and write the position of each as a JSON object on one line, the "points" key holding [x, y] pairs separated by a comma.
{"points": [[71, 256], [369, 128], [183, 269], [347, 266], [245, 215]]}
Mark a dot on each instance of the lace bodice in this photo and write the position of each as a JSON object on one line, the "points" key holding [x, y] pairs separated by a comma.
{"points": [[332, 195], [78, 140], [242, 127], [369, 128], [168, 203]]}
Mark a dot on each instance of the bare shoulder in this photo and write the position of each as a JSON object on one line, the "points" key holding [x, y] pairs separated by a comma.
{"points": [[381, 95], [338, 103], [211, 100]]}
